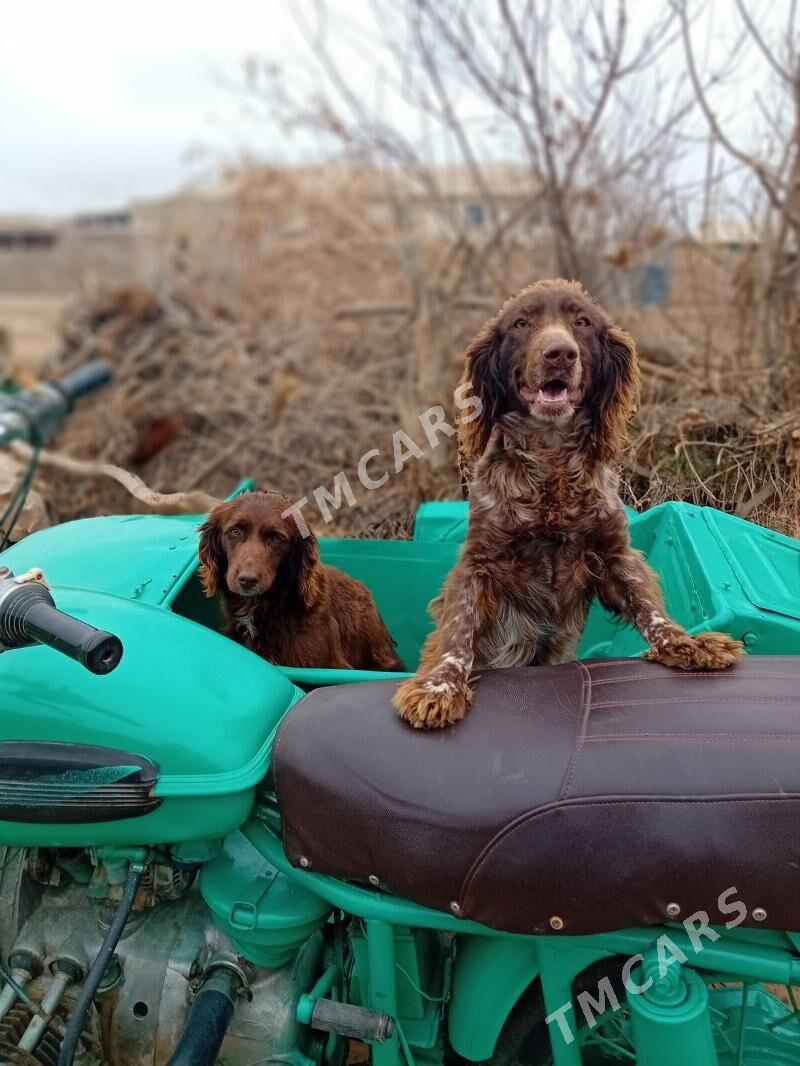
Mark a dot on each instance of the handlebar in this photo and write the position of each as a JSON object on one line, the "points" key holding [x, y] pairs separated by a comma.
{"points": [[28, 616], [37, 414], [84, 380]]}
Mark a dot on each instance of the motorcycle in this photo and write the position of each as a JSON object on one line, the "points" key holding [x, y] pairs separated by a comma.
{"points": [[208, 857]]}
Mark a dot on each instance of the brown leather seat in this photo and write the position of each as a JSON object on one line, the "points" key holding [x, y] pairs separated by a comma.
{"points": [[597, 793]]}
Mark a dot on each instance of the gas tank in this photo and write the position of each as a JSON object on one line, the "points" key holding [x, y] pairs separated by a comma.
{"points": [[167, 748]]}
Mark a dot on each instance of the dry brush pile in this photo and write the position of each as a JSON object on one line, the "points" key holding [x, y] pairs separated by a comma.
{"points": [[202, 399], [202, 402]]}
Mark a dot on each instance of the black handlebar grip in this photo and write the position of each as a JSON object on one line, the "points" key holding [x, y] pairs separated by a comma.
{"points": [[84, 380], [98, 651], [28, 616]]}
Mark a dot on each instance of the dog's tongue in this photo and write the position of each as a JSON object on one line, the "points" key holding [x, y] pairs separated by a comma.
{"points": [[553, 394]]}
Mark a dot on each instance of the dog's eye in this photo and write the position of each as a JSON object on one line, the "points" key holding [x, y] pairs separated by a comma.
{"points": [[521, 323], [582, 320], [234, 532]]}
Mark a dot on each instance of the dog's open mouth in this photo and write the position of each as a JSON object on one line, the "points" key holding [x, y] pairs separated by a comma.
{"points": [[553, 392], [553, 397]]}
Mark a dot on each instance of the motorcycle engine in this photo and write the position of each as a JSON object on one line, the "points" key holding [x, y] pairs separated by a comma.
{"points": [[55, 906]]}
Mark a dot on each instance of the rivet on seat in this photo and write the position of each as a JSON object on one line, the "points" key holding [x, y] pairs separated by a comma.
{"points": [[556, 923], [759, 914], [454, 907], [374, 879], [304, 862], [673, 909]]}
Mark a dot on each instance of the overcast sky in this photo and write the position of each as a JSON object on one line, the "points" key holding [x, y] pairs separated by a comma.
{"points": [[101, 102]]}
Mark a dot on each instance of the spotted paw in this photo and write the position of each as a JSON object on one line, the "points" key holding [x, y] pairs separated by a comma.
{"points": [[703, 651], [428, 703]]}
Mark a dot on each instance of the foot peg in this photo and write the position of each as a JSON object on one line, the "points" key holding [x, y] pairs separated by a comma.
{"points": [[357, 1023]]}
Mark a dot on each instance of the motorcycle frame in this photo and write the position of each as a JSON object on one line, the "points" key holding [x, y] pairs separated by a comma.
{"points": [[493, 969]]}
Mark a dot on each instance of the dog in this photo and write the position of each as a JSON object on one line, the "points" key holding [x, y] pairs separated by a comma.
{"points": [[558, 382], [279, 600]]}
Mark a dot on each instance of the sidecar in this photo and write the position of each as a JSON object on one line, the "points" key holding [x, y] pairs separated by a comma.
{"points": [[201, 711]]}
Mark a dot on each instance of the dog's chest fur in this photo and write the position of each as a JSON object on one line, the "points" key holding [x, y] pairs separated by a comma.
{"points": [[277, 630], [543, 518]]}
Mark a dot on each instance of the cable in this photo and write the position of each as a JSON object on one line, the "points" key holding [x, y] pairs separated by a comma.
{"points": [[95, 975], [17, 501], [415, 986]]}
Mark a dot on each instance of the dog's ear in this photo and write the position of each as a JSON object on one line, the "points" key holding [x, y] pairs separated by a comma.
{"points": [[483, 373], [304, 568], [213, 560], [615, 390]]}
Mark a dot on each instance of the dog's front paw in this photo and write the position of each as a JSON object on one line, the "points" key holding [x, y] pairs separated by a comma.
{"points": [[428, 703], [703, 651]]}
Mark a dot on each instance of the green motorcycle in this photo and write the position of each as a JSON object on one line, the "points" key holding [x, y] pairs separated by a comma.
{"points": [[207, 857]]}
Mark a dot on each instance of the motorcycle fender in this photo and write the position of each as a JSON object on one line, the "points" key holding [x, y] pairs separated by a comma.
{"points": [[489, 976]]}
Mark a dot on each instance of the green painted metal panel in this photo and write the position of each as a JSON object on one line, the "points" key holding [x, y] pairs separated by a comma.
{"points": [[139, 557], [442, 520], [716, 572], [404, 576], [202, 708], [766, 564], [490, 975]]}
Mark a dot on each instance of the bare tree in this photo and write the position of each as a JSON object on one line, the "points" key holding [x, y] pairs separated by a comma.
{"points": [[559, 119], [764, 145], [572, 91]]}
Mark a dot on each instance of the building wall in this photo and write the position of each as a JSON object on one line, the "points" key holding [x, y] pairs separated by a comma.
{"points": [[73, 257]]}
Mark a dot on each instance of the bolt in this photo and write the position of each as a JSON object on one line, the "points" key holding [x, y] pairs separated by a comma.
{"points": [[759, 914], [666, 977], [749, 639], [304, 862], [374, 880], [454, 907], [556, 923], [673, 909]]}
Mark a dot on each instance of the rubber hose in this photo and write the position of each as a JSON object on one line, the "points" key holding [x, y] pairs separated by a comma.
{"points": [[208, 1021], [78, 1020]]}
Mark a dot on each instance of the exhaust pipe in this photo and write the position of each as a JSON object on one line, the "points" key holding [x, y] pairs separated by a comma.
{"points": [[208, 1020]]}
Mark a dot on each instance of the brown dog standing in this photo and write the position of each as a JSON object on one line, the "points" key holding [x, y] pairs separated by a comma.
{"points": [[279, 599], [547, 530]]}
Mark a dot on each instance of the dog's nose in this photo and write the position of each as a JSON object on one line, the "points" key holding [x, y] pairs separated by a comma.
{"points": [[561, 350], [247, 582]]}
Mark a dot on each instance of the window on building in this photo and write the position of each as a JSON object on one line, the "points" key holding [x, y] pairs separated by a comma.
{"points": [[104, 220], [26, 240]]}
